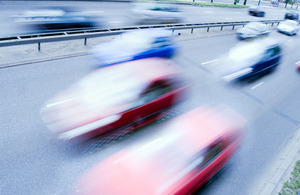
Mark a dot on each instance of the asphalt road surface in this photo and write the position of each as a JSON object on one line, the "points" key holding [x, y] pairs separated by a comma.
{"points": [[116, 14], [32, 162]]}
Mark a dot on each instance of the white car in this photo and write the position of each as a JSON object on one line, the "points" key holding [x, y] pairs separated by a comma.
{"points": [[155, 13], [289, 27]]}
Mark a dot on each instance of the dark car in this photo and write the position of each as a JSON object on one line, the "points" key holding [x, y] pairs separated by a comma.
{"points": [[127, 96], [256, 11], [248, 60], [253, 29], [55, 18], [291, 15], [184, 154]]}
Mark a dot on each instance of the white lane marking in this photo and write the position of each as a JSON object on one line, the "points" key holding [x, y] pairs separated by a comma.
{"points": [[297, 62], [203, 63], [259, 84]]}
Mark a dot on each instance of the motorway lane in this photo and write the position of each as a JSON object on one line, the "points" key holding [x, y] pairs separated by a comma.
{"points": [[34, 163], [114, 14], [269, 125]]}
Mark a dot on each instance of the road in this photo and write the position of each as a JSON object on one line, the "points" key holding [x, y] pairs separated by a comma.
{"points": [[32, 162], [115, 14]]}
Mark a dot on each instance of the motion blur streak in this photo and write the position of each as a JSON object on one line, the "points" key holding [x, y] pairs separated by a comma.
{"points": [[185, 153], [110, 98]]}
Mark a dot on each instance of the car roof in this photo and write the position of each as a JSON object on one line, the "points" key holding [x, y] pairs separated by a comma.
{"points": [[153, 33], [292, 22]]}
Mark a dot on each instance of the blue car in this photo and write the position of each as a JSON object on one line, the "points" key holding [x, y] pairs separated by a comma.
{"points": [[135, 45], [249, 60]]}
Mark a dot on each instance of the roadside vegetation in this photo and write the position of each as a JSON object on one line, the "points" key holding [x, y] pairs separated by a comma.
{"points": [[292, 186], [211, 3], [220, 4]]}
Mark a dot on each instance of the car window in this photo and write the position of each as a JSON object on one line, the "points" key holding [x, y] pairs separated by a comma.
{"points": [[208, 154], [154, 92], [161, 42], [277, 50]]}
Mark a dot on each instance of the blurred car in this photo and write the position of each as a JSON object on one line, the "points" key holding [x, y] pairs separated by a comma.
{"points": [[253, 29], [288, 27], [55, 18], [248, 60], [275, 3], [256, 11], [291, 15], [184, 155], [135, 45], [130, 95], [155, 13]]}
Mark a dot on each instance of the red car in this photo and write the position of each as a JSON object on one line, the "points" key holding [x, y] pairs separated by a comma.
{"points": [[128, 96], [185, 154], [298, 66]]}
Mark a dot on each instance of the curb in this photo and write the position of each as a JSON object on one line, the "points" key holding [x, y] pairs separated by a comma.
{"points": [[28, 62], [283, 166]]}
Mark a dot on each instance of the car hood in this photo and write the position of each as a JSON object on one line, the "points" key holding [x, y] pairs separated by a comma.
{"points": [[110, 53], [286, 27], [248, 31], [90, 99]]}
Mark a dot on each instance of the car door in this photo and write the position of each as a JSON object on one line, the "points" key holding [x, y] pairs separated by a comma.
{"points": [[269, 61], [156, 98]]}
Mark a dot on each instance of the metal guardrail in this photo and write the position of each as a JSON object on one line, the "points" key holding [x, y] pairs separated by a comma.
{"points": [[85, 34]]}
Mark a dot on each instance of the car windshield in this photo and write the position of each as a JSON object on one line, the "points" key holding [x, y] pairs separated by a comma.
{"points": [[110, 87], [156, 7], [241, 56], [171, 152], [290, 23], [256, 26], [138, 41]]}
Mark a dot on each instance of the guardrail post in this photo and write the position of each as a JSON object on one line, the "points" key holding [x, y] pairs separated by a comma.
{"points": [[85, 40], [207, 29], [39, 46], [221, 28], [192, 30], [172, 32], [232, 27]]}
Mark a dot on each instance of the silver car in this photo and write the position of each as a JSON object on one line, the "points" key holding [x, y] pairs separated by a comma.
{"points": [[289, 27], [155, 13]]}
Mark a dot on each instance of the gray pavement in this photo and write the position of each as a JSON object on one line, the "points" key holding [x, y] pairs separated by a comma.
{"points": [[273, 177], [280, 171]]}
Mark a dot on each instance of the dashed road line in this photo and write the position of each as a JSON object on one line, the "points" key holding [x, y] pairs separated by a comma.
{"points": [[211, 61], [259, 84]]}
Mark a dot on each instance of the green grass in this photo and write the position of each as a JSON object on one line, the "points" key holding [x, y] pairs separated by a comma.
{"points": [[292, 186]]}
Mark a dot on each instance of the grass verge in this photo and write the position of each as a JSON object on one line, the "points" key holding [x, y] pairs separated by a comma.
{"points": [[220, 5], [204, 3], [292, 186]]}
